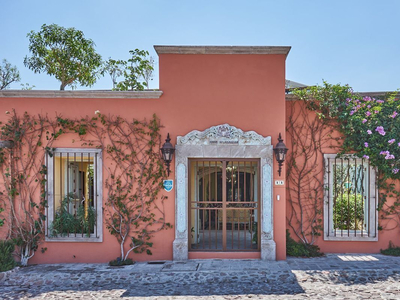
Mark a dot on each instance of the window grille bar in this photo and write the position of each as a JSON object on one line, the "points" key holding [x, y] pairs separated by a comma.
{"points": [[355, 200], [348, 197], [341, 206], [61, 192], [362, 197], [369, 200], [46, 194], [80, 190], [54, 185], [95, 189], [68, 175], [329, 192], [73, 189], [376, 193]]}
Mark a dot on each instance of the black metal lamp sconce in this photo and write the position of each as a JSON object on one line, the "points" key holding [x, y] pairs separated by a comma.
{"points": [[280, 151], [167, 151]]}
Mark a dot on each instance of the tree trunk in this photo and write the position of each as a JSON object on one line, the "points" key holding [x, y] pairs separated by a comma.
{"points": [[25, 255], [63, 85]]}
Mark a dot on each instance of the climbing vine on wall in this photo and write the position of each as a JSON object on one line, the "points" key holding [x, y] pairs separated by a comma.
{"points": [[134, 208], [308, 134], [23, 173], [369, 128], [134, 181]]}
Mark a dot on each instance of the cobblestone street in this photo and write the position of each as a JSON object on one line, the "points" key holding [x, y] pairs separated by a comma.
{"points": [[336, 276]]}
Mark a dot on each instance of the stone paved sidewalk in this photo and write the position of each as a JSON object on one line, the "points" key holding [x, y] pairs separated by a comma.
{"points": [[336, 276]]}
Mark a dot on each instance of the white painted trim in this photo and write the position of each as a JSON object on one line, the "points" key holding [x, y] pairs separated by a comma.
{"points": [[81, 94], [334, 235], [98, 164], [76, 150]]}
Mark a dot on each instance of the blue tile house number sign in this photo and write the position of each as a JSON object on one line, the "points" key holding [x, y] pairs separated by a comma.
{"points": [[168, 185]]}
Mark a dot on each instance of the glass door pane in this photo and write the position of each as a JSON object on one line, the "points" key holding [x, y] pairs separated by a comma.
{"points": [[223, 205]]}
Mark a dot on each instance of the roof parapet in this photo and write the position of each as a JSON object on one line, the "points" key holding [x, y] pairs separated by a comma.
{"points": [[160, 49], [80, 94]]}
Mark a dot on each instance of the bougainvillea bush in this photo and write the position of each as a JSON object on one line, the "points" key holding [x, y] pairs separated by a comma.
{"points": [[373, 131], [370, 126]]}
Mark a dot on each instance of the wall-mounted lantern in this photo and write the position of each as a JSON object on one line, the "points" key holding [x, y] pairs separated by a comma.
{"points": [[167, 152], [6, 144], [280, 153]]}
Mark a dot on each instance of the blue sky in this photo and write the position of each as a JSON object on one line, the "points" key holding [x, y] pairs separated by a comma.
{"points": [[349, 42]]}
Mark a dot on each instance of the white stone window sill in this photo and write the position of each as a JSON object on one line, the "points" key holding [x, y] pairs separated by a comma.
{"points": [[73, 239], [351, 237]]}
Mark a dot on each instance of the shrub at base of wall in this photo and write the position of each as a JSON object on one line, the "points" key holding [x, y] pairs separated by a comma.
{"points": [[7, 261], [299, 249]]}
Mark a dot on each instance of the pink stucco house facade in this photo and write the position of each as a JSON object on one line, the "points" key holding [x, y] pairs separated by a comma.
{"points": [[224, 108]]}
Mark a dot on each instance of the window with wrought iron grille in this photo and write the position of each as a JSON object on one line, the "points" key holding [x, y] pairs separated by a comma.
{"points": [[350, 199], [74, 195]]}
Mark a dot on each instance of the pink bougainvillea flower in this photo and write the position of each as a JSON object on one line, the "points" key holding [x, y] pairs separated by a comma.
{"points": [[376, 111], [379, 101], [365, 144], [364, 121], [385, 152], [368, 106], [391, 141], [395, 171], [394, 115], [380, 130], [367, 98], [352, 112], [370, 132], [366, 156], [368, 113]]}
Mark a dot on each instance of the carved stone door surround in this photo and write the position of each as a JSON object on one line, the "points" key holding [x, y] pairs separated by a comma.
{"points": [[222, 141]]}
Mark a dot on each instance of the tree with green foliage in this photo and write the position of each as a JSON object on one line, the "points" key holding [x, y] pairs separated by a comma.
{"points": [[8, 74], [136, 68], [64, 53], [114, 68], [148, 72]]}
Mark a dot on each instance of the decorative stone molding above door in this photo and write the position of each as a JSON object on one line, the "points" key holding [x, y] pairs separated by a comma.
{"points": [[223, 141]]}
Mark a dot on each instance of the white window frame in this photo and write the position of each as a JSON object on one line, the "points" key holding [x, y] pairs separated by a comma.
{"points": [[98, 165], [330, 234]]}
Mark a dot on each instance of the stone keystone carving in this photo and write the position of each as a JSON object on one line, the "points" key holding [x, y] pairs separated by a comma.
{"points": [[224, 132]]}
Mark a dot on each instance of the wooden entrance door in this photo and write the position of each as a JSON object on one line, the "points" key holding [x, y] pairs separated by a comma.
{"points": [[224, 205]]}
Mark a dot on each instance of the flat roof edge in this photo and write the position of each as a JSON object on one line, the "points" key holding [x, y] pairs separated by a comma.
{"points": [[160, 49], [292, 97], [80, 94]]}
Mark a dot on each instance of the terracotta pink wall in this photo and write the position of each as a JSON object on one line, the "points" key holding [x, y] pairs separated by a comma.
{"points": [[384, 236], [200, 91]]}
